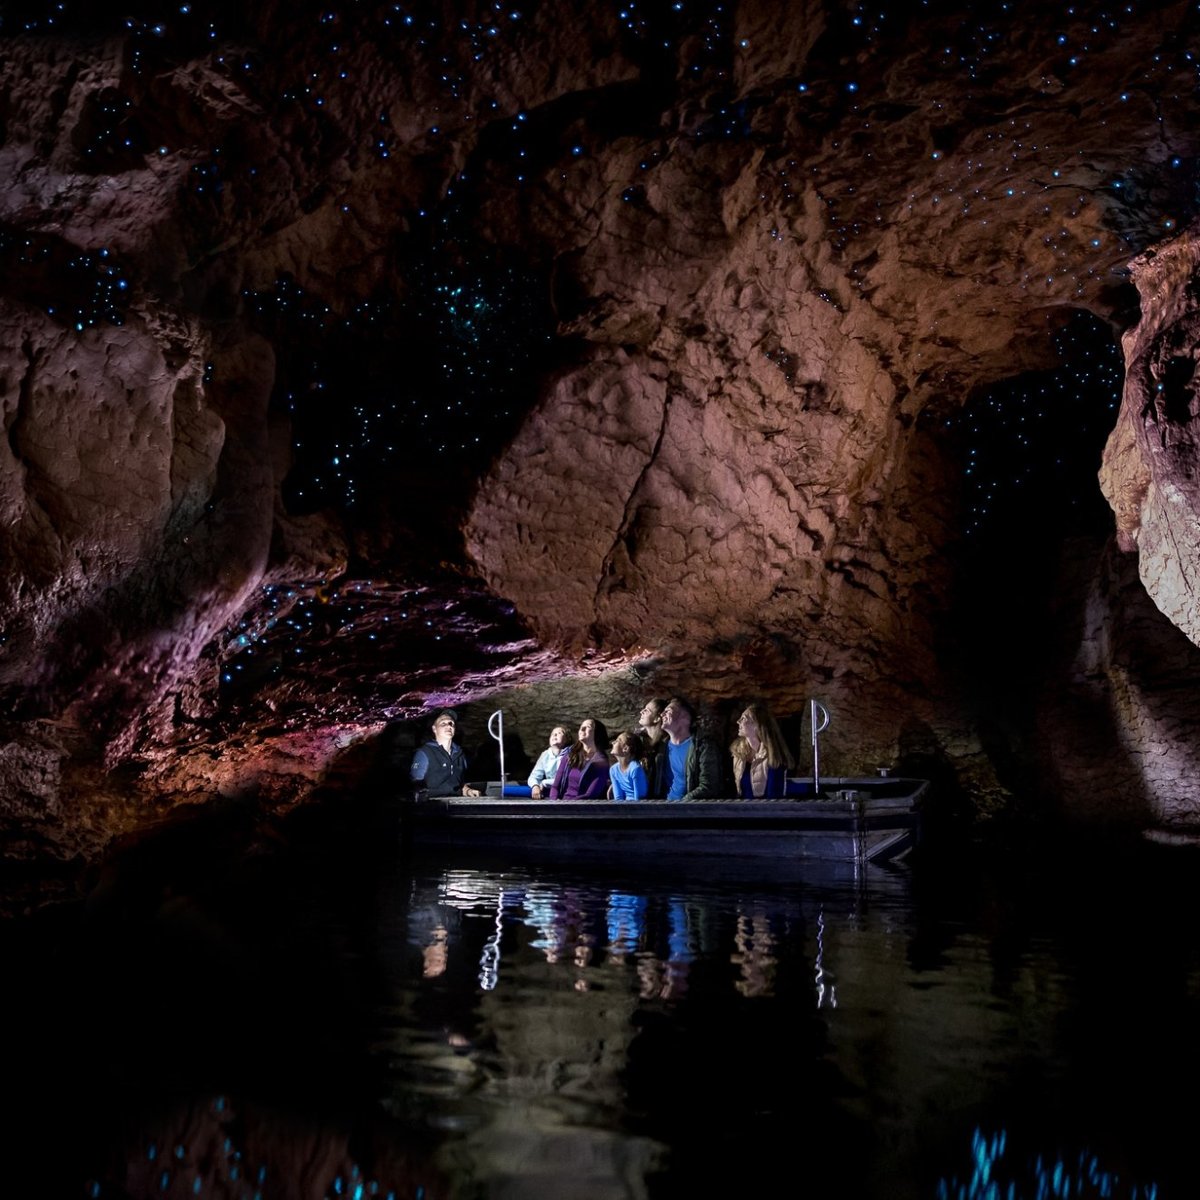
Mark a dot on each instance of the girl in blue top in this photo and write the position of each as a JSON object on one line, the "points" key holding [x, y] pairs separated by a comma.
{"points": [[627, 776]]}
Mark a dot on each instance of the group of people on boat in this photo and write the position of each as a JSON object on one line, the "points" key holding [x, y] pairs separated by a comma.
{"points": [[664, 757]]}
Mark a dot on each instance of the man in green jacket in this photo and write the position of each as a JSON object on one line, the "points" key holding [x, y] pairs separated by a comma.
{"points": [[687, 765]]}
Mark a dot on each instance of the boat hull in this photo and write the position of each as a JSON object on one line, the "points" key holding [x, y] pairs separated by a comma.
{"points": [[864, 820]]}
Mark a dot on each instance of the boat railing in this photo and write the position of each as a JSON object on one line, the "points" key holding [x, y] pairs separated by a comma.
{"points": [[496, 729], [818, 725]]}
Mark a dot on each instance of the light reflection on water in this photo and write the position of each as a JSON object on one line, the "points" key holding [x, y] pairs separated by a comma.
{"points": [[643, 1038], [444, 1030]]}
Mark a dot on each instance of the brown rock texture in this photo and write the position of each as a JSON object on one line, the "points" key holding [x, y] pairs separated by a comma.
{"points": [[1116, 726], [1151, 463], [645, 339]]}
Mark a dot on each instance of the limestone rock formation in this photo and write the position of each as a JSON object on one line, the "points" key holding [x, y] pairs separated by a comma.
{"points": [[355, 361], [1151, 463]]}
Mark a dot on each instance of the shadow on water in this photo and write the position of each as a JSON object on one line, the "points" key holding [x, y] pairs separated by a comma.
{"points": [[200, 1017], [224, 1014], [1088, 953]]}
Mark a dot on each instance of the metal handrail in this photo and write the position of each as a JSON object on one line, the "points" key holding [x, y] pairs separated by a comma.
{"points": [[814, 707], [498, 733]]}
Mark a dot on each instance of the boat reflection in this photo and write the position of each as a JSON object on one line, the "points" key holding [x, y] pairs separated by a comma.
{"points": [[826, 988], [754, 953], [629, 1036], [474, 1034], [566, 1026], [593, 931]]}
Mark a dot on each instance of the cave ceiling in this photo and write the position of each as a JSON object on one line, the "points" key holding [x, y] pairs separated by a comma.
{"points": [[357, 358]]}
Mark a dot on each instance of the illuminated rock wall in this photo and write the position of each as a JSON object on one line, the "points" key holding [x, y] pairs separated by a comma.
{"points": [[352, 364]]}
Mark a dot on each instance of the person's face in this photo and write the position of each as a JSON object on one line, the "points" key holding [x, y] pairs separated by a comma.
{"points": [[621, 747], [443, 728], [649, 717], [747, 725], [558, 737], [675, 720], [587, 731]]}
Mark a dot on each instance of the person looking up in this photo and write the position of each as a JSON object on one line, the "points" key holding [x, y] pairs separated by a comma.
{"points": [[439, 767], [654, 737], [650, 725], [544, 770], [761, 759], [627, 776], [688, 766], [583, 770]]}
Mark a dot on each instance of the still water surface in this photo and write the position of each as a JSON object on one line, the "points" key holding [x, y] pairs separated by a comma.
{"points": [[324, 1022]]}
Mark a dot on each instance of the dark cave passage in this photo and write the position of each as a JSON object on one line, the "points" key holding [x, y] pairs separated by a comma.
{"points": [[1034, 519]]}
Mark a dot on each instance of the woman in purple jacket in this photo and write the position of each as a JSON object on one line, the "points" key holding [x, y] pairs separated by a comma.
{"points": [[583, 770]]}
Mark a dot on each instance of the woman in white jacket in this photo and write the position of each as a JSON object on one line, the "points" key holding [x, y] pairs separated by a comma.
{"points": [[544, 770]]}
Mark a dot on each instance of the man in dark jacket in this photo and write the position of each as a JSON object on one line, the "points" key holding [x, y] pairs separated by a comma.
{"points": [[687, 765], [440, 766]]}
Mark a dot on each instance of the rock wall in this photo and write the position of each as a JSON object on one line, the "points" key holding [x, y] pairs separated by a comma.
{"points": [[1151, 463], [777, 253]]}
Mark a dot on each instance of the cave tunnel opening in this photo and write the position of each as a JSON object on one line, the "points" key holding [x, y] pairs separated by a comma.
{"points": [[1033, 514]]}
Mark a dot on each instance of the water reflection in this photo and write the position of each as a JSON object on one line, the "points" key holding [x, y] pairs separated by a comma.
{"points": [[618, 1037], [753, 954], [634, 1037], [591, 929], [478, 1034], [826, 988]]}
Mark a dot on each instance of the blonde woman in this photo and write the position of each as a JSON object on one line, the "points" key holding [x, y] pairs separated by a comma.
{"points": [[761, 759]]}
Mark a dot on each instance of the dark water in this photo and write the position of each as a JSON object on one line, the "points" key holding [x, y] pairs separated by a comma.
{"points": [[327, 1019]]}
